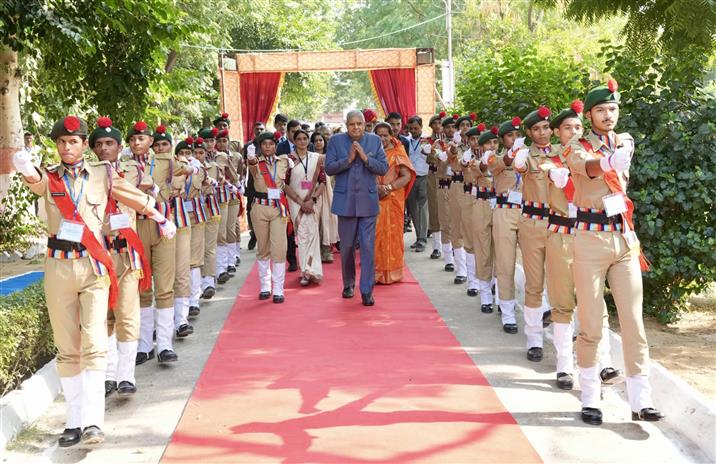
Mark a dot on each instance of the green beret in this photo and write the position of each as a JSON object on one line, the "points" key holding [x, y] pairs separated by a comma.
{"points": [[183, 145], [472, 131], [160, 133], [449, 120], [509, 126], [223, 117], [139, 128], [470, 117], [105, 129], [265, 136], [437, 117], [574, 111], [541, 114], [488, 135], [603, 94], [208, 133], [69, 125]]}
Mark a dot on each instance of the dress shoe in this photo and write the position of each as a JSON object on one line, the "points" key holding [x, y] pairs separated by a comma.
{"points": [[435, 254], [367, 299], [252, 242], [348, 292], [486, 308], [69, 437], [460, 280], [534, 354], [223, 278], [611, 376], [292, 267], [647, 415], [592, 416], [414, 245], [546, 318], [278, 299], [264, 295], [194, 311], [92, 435], [449, 267], [420, 248], [184, 330], [231, 269], [510, 328], [110, 386], [472, 292], [144, 357], [126, 388], [208, 293], [167, 356], [565, 381]]}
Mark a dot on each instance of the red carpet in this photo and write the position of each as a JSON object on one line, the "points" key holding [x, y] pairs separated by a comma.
{"points": [[322, 379]]}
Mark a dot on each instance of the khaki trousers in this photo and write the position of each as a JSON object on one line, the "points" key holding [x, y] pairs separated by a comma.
{"points": [[433, 215], [211, 233], [232, 224], [481, 231], [223, 225], [467, 203], [456, 201], [532, 237], [270, 230], [443, 196], [77, 302], [124, 320], [560, 281], [198, 244], [600, 255], [160, 252], [504, 235], [182, 280]]}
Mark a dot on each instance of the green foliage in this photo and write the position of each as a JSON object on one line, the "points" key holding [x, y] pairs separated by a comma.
{"points": [[673, 176], [25, 335], [18, 223]]}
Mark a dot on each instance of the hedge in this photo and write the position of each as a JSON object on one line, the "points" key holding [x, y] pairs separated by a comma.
{"points": [[25, 335]]}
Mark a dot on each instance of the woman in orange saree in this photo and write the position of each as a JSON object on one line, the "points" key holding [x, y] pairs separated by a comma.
{"points": [[393, 189]]}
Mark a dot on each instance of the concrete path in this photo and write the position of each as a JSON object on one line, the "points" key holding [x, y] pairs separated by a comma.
{"points": [[139, 429]]}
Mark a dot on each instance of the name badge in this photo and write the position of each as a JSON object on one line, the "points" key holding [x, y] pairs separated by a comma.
{"points": [[71, 231], [274, 194], [493, 203], [188, 206], [514, 197], [306, 185], [118, 221], [614, 204], [631, 239], [474, 191], [572, 210]]}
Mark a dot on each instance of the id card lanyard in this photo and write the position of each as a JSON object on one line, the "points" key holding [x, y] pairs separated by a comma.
{"points": [[71, 190]]}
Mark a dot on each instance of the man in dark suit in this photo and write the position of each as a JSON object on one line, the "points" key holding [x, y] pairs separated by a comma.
{"points": [[259, 127], [356, 158], [396, 123]]}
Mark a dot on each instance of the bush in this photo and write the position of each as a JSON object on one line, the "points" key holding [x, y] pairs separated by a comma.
{"points": [[25, 335], [17, 224]]}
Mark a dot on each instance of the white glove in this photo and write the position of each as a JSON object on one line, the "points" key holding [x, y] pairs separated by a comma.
{"points": [[457, 138], [521, 158], [427, 148], [619, 160], [23, 163], [233, 188], [195, 163], [155, 190], [213, 182], [166, 227], [466, 157], [559, 176], [442, 156], [251, 151], [126, 151], [519, 143], [486, 157], [240, 187]]}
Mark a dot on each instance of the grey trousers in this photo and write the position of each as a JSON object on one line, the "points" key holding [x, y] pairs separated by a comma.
{"points": [[418, 207]]}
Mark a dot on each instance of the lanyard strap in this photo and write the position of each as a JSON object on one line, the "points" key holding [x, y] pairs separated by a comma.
{"points": [[305, 166], [71, 190]]}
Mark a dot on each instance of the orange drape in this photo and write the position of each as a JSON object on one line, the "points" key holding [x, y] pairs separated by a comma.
{"points": [[389, 248]]}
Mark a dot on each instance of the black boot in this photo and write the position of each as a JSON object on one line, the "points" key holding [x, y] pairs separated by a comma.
{"points": [[70, 437]]}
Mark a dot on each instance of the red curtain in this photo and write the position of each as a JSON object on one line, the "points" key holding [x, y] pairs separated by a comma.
{"points": [[259, 93], [395, 89]]}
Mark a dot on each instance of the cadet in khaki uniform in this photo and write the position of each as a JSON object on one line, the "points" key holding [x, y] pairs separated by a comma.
{"points": [[164, 169], [211, 231], [433, 215], [605, 245], [533, 224], [505, 219], [269, 214], [444, 173], [233, 232], [79, 273], [468, 202], [123, 321]]}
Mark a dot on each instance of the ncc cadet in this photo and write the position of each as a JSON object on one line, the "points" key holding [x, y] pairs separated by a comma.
{"points": [[233, 225], [130, 264], [270, 214], [505, 219], [606, 246], [440, 149], [168, 175], [80, 282], [436, 127], [484, 192], [533, 224], [211, 230], [468, 202]]}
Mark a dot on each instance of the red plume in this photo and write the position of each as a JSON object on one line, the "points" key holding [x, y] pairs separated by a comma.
{"points": [[189, 140], [71, 123], [612, 85], [214, 131], [104, 122], [481, 127], [224, 115], [516, 121], [140, 126], [442, 114], [495, 130], [543, 112], [455, 116], [277, 135], [224, 133], [577, 106], [199, 140], [160, 129], [369, 115], [473, 116]]}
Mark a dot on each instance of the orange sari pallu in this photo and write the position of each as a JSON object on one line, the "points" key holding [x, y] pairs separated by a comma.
{"points": [[389, 246]]}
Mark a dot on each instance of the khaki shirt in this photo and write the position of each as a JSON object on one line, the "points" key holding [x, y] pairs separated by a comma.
{"points": [[470, 172], [212, 172], [157, 167], [280, 179], [556, 197], [222, 160], [454, 161], [589, 191], [534, 179], [131, 171], [505, 177], [483, 177], [237, 161], [198, 183], [442, 166]]}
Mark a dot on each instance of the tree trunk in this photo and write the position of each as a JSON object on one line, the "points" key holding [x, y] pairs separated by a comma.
{"points": [[11, 139]]}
